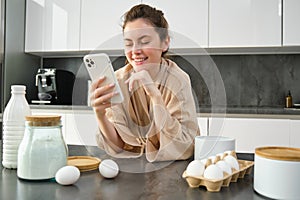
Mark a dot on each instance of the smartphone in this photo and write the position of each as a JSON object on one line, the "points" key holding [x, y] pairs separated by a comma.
{"points": [[99, 65]]}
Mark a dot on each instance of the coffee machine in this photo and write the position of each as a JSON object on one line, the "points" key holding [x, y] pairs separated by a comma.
{"points": [[55, 86], [46, 83]]}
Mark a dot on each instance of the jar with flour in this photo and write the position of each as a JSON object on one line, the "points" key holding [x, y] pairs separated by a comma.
{"points": [[42, 151]]}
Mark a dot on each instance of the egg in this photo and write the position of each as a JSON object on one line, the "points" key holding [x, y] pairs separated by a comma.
{"points": [[220, 155], [204, 161], [224, 166], [67, 175], [213, 172], [195, 168], [213, 159], [108, 168], [232, 161]]}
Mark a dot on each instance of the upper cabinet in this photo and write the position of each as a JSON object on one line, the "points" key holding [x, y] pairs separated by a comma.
{"points": [[52, 25], [291, 17], [101, 23], [78, 26], [244, 23], [188, 21]]}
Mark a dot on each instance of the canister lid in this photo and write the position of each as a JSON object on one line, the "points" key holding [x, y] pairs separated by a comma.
{"points": [[279, 153], [43, 120]]}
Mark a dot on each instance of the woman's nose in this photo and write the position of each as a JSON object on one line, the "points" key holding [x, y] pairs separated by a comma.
{"points": [[136, 48]]}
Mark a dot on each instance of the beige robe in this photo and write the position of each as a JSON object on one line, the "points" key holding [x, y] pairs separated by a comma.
{"points": [[137, 120]]}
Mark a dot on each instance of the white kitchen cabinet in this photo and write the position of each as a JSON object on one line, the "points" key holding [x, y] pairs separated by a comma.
{"points": [[188, 21], [244, 23], [101, 24], [295, 133], [291, 28], [52, 25], [203, 125], [251, 132], [81, 128]]}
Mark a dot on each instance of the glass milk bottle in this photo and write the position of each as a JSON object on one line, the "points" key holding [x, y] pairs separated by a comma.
{"points": [[42, 151], [14, 125]]}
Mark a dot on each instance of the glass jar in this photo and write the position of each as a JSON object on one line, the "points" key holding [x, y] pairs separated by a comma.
{"points": [[42, 151]]}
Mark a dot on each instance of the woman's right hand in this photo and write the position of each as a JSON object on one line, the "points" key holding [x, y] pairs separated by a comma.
{"points": [[100, 96]]}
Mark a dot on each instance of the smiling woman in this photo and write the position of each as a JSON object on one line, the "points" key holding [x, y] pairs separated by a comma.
{"points": [[158, 115]]}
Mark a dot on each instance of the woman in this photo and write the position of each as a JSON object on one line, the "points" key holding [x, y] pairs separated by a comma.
{"points": [[158, 115]]}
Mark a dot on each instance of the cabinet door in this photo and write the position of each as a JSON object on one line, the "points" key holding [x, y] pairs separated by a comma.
{"points": [[252, 133], [101, 24], [291, 17], [295, 133], [188, 21], [203, 125], [81, 128], [52, 25], [244, 23]]}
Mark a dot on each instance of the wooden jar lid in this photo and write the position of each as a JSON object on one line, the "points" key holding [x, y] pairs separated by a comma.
{"points": [[279, 153], [43, 120]]}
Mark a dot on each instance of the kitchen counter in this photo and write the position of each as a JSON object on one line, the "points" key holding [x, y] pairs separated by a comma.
{"points": [[235, 112], [163, 183]]}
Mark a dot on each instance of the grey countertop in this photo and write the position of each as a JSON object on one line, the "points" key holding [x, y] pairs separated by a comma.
{"points": [[163, 183], [241, 112]]}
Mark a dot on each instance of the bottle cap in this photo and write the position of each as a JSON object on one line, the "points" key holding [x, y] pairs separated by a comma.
{"points": [[18, 88]]}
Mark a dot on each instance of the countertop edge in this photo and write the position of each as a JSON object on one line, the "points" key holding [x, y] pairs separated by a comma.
{"points": [[262, 113]]}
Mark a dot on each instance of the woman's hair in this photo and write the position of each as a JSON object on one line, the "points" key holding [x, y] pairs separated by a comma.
{"points": [[152, 15]]}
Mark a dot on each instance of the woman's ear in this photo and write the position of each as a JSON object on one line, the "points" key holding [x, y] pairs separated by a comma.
{"points": [[166, 44]]}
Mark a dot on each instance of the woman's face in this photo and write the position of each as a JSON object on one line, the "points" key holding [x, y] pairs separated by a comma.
{"points": [[143, 47]]}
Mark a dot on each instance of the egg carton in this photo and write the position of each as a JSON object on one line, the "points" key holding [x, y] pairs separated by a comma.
{"points": [[215, 185]]}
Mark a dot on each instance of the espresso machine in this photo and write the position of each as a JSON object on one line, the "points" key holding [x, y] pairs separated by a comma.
{"points": [[46, 83]]}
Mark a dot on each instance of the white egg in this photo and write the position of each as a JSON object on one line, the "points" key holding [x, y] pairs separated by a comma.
{"points": [[195, 168], [204, 161], [108, 168], [213, 172], [213, 159], [232, 161], [224, 166], [220, 155], [67, 175]]}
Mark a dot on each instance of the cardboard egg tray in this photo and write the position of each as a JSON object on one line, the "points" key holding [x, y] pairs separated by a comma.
{"points": [[215, 185]]}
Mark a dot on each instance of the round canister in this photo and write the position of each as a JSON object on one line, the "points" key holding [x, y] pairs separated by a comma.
{"points": [[42, 150], [277, 172], [206, 146]]}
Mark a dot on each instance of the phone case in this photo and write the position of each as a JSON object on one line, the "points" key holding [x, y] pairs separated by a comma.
{"points": [[99, 65]]}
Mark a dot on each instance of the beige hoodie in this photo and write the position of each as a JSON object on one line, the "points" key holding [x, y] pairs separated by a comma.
{"points": [[137, 120]]}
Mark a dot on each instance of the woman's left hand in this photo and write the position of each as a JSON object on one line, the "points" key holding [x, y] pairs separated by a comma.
{"points": [[145, 79]]}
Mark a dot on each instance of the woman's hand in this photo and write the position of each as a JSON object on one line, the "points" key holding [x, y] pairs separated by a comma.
{"points": [[144, 78], [100, 96]]}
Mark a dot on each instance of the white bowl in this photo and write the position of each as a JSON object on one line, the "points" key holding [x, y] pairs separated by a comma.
{"points": [[277, 172], [206, 146]]}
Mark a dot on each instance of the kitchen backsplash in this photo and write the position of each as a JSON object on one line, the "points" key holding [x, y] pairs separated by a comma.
{"points": [[249, 80]]}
